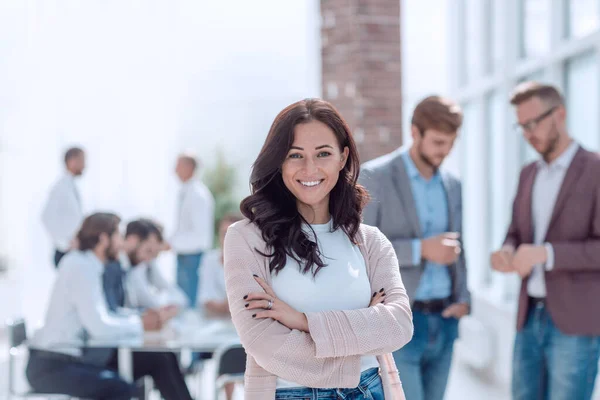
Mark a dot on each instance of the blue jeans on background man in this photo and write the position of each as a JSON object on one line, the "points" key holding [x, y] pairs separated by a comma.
{"points": [[424, 363], [187, 275], [369, 388], [549, 365]]}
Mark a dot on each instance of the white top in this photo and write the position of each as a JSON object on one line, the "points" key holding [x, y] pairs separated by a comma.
{"points": [[147, 287], [548, 181], [77, 303], [343, 284], [195, 219], [212, 278], [62, 214]]}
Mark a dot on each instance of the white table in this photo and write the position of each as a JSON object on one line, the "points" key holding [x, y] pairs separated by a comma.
{"points": [[191, 330]]}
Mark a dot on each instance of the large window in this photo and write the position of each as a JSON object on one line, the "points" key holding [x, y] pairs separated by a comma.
{"points": [[583, 99], [583, 17], [474, 193], [474, 41], [535, 27], [495, 106], [494, 29], [550, 41]]}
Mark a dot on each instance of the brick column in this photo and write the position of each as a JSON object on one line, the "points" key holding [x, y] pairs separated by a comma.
{"points": [[361, 70]]}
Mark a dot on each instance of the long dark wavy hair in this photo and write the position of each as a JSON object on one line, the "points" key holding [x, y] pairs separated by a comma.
{"points": [[273, 208]]}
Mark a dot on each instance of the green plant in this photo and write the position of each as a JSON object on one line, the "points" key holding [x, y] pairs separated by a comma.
{"points": [[221, 180]]}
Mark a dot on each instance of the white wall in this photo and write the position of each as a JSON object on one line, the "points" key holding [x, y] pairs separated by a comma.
{"points": [[134, 83]]}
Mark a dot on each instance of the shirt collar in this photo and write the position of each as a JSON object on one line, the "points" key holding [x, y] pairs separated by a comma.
{"points": [[69, 177], [564, 160], [94, 261], [123, 259], [411, 168], [188, 184]]}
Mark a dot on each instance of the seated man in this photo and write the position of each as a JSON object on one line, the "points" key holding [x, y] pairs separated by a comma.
{"points": [[212, 294], [78, 311], [146, 285]]}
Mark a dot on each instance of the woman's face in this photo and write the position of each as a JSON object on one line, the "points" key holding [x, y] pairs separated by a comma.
{"points": [[312, 168]]}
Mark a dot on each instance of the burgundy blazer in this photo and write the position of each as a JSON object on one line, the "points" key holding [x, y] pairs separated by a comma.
{"points": [[573, 286]]}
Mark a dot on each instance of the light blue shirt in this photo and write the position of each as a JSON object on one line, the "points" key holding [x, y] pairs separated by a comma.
{"points": [[432, 208]]}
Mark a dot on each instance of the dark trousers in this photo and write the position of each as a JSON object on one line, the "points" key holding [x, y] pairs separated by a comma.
{"points": [[54, 373], [58, 255]]}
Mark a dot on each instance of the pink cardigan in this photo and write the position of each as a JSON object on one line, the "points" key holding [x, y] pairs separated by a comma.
{"points": [[328, 356]]}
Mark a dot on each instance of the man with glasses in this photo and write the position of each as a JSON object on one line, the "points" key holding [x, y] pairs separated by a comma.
{"points": [[553, 244]]}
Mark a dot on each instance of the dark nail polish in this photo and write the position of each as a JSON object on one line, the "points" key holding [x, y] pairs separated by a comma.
{"points": [[383, 294], [381, 291], [374, 294], [253, 315], [245, 297], [381, 301], [246, 305], [254, 275]]}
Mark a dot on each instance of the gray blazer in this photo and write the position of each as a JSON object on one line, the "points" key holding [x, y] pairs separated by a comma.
{"points": [[392, 209]]}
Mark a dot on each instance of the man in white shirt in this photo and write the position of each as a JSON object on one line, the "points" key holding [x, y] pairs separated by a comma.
{"points": [[78, 312], [146, 285], [62, 214], [195, 226]]}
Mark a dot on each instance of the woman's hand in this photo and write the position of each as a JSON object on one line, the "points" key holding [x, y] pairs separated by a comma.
{"points": [[267, 305], [378, 297]]}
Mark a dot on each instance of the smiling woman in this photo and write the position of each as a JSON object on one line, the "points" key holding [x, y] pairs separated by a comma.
{"points": [[315, 296], [308, 157], [311, 173]]}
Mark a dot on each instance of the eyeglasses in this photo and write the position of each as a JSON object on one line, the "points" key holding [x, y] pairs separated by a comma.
{"points": [[530, 125]]}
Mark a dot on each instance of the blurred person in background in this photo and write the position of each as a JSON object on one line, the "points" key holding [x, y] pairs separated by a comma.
{"points": [[213, 295], [418, 206], [147, 287], [143, 239], [194, 232], [553, 244], [63, 213], [78, 312]]}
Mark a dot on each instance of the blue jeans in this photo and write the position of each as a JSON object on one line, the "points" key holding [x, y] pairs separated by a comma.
{"points": [[187, 275], [370, 388], [424, 363], [549, 365]]}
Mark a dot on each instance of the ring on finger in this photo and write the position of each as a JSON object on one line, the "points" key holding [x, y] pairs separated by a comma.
{"points": [[270, 305]]}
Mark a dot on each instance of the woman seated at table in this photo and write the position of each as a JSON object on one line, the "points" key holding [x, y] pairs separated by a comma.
{"points": [[146, 285], [212, 295]]}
